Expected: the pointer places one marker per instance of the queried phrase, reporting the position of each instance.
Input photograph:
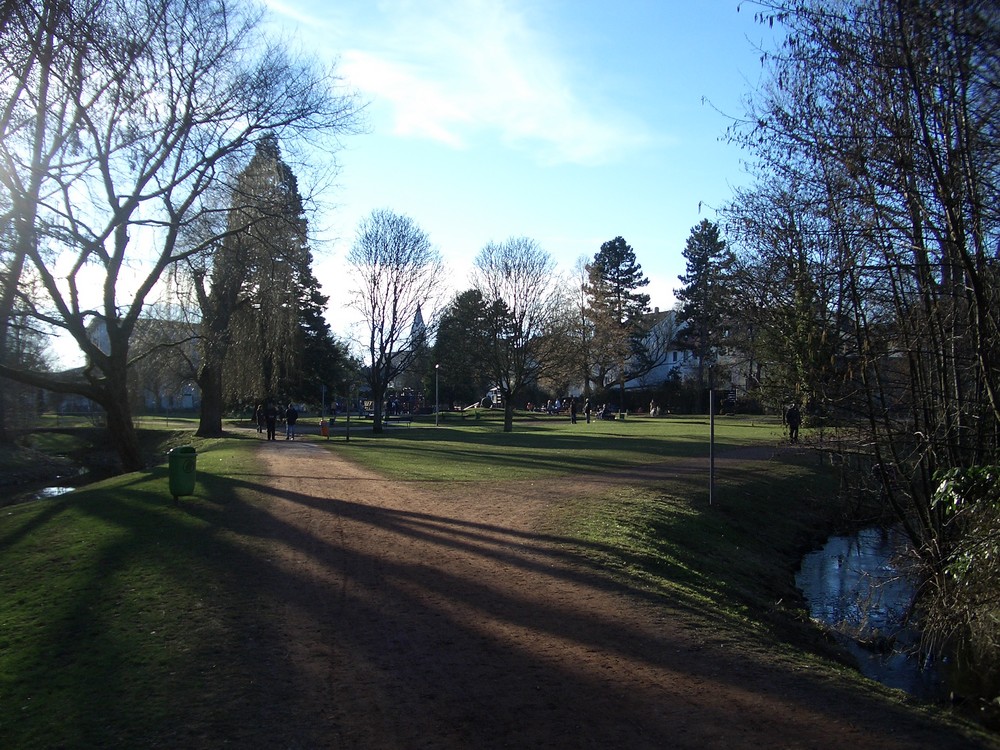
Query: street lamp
(437, 405)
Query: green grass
(469, 450)
(731, 561)
(127, 620)
(56, 443)
(109, 609)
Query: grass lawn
(117, 608)
(127, 620)
(477, 448)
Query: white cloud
(479, 66)
(420, 108)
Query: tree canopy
(121, 120)
(705, 296)
(875, 142)
(264, 335)
(460, 349)
(616, 310)
(397, 271)
(519, 288)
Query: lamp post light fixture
(437, 405)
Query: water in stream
(48, 492)
(854, 585)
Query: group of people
(267, 415)
(572, 405)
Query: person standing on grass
(259, 417)
(271, 418)
(572, 410)
(586, 410)
(291, 417)
(794, 418)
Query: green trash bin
(181, 468)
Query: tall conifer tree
(617, 309)
(705, 294)
(263, 326)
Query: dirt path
(422, 615)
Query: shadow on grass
(496, 453)
(226, 621)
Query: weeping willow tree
(259, 283)
(265, 338)
(885, 116)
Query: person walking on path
(291, 417)
(794, 419)
(259, 417)
(271, 418)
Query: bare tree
(42, 64)
(884, 113)
(517, 281)
(120, 119)
(789, 280)
(570, 355)
(399, 274)
(581, 331)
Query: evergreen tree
(705, 294)
(617, 310)
(325, 360)
(263, 329)
(265, 355)
(460, 349)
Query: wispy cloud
(456, 71)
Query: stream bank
(860, 588)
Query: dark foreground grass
(127, 620)
(121, 613)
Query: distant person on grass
(794, 418)
(271, 418)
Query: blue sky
(567, 121)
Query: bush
(962, 606)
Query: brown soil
(422, 615)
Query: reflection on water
(51, 492)
(854, 585)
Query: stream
(854, 586)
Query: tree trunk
(7, 297)
(508, 414)
(210, 382)
(121, 430)
(378, 397)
